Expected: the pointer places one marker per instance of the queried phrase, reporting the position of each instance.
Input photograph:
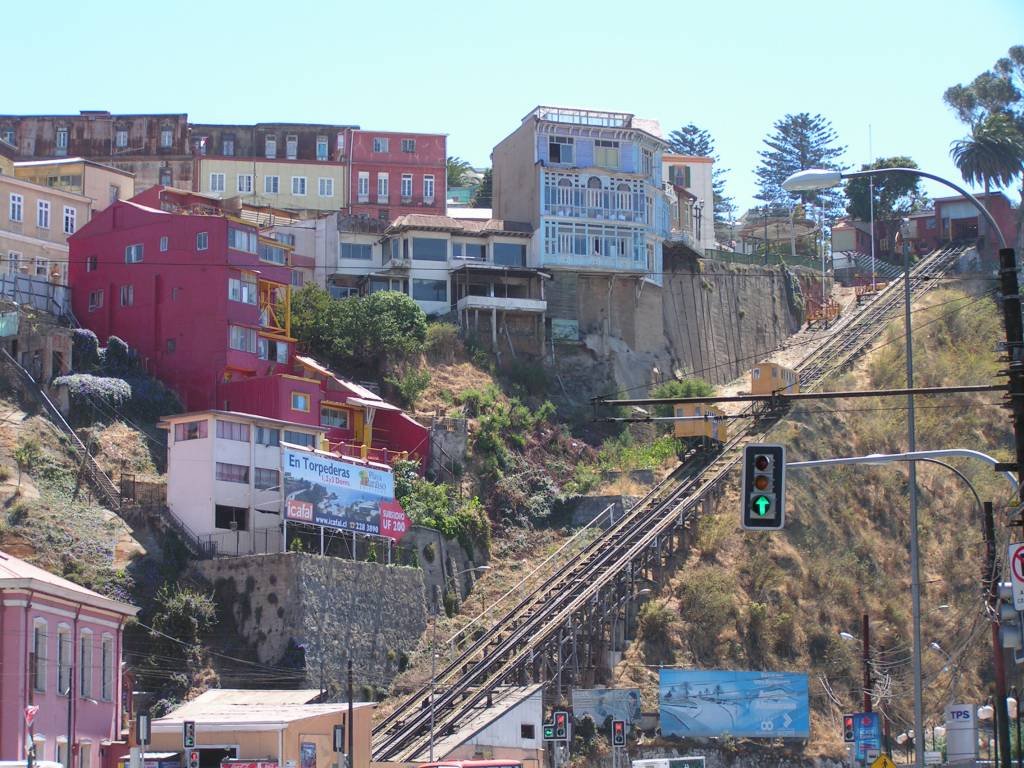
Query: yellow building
(268, 726)
(102, 184)
(291, 185)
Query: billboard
(338, 494)
(696, 702)
(604, 703)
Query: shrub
(530, 377)
(679, 388)
(85, 350)
(410, 384)
(654, 619)
(442, 342)
(118, 358)
(27, 455)
(85, 391)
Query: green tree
(182, 617)
(697, 142)
(26, 455)
(799, 142)
(680, 388)
(458, 172)
(896, 194)
(483, 195)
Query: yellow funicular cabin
(769, 378)
(700, 422)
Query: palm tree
(993, 154)
(458, 172)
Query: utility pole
(991, 584)
(1015, 352)
(866, 657)
(351, 722)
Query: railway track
(533, 633)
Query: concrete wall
(374, 613)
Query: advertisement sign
(696, 702)
(961, 733)
(867, 735)
(307, 754)
(604, 703)
(338, 494)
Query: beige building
(35, 222)
(290, 185)
(272, 726)
(102, 184)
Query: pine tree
(697, 142)
(800, 142)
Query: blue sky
(473, 70)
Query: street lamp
(951, 666)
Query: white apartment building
(224, 477)
(693, 217)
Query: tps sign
(1016, 558)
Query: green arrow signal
(761, 504)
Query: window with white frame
(244, 181)
(7, 134)
(406, 187)
(271, 185)
(40, 635)
(121, 138)
(242, 240)
(428, 189)
(70, 215)
(232, 473)
(64, 653)
(326, 187)
(127, 295)
(43, 214)
(242, 288)
(291, 146)
(164, 243)
(133, 253)
(16, 212)
(266, 479)
(190, 430)
(216, 182)
(40, 265)
(321, 147)
(382, 187)
(363, 186)
(95, 300)
(560, 149)
(380, 144)
(299, 185)
(409, 145)
(270, 146)
(363, 251)
(241, 338)
(233, 430)
(62, 138)
(166, 137)
(202, 241)
(85, 664)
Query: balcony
(599, 204)
(530, 306)
(383, 199)
(366, 453)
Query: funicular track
(541, 637)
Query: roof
(166, 421)
(978, 195)
(498, 269)
(465, 226)
(69, 160)
(502, 702)
(669, 157)
(356, 389)
(272, 708)
(17, 574)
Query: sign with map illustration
(697, 702)
(606, 704)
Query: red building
(956, 218)
(205, 300)
(393, 174)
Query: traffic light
(549, 731)
(764, 485)
(1011, 631)
(618, 733)
(561, 725)
(193, 758)
(188, 735)
(848, 729)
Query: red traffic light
(761, 462)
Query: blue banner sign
(768, 705)
(867, 734)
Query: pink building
(58, 636)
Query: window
(321, 147)
(70, 215)
(64, 651)
(646, 161)
(17, 208)
(285, 237)
(62, 138)
(929, 224)
(429, 249)
(363, 186)
(272, 253)
(164, 243)
(333, 417)
(95, 300)
(232, 430)
(216, 182)
(326, 187)
(300, 401)
(133, 254)
(7, 134)
(270, 146)
(190, 430)
(606, 153)
(271, 185)
(85, 664)
(299, 438)
(232, 473)
(230, 518)
(43, 214)
(560, 149)
(271, 349)
(380, 144)
(355, 251)
(166, 137)
(62, 750)
(266, 479)
(297, 281)
(428, 189)
(242, 240)
(39, 637)
(85, 754)
(406, 188)
(166, 177)
(409, 145)
(526, 731)
(242, 339)
(227, 145)
(291, 146)
(127, 295)
(382, 187)
(430, 290)
(14, 258)
(115, 193)
(244, 182)
(242, 288)
(510, 254)
(40, 267)
(268, 436)
(298, 185)
(172, 344)
(121, 138)
(202, 241)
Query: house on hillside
(61, 652)
(691, 199)
(394, 173)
